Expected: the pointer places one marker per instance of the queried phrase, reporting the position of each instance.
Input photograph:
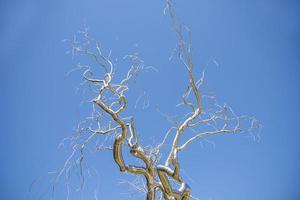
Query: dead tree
(163, 178)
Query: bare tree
(205, 117)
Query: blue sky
(256, 44)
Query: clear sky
(256, 44)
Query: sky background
(256, 44)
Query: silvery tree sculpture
(162, 178)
